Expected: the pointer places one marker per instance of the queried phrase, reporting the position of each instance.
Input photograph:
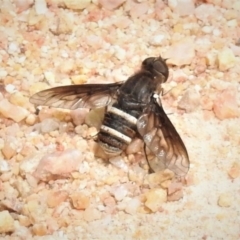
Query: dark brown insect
(132, 110)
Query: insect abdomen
(117, 131)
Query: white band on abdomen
(122, 114)
(115, 133)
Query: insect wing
(163, 141)
(77, 96)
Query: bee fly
(132, 110)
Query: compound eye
(160, 66)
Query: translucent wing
(77, 96)
(161, 137)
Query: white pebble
(41, 6)
(207, 29)
(3, 73)
(133, 205)
(118, 162)
(119, 192)
(157, 40)
(120, 53)
(49, 125)
(13, 48)
(4, 166)
(9, 110)
(10, 88)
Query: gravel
(55, 183)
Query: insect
(132, 109)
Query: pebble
(184, 47)
(8, 150)
(133, 205)
(39, 229)
(58, 164)
(119, 192)
(9, 110)
(80, 201)
(23, 5)
(190, 101)
(205, 12)
(4, 166)
(225, 105)
(41, 7)
(111, 5)
(156, 179)
(226, 59)
(31, 119)
(50, 77)
(225, 200)
(135, 146)
(157, 40)
(79, 115)
(77, 5)
(234, 171)
(182, 7)
(119, 162)
(55, 198)
(91, 214)
(155, 198)
(79, 79)
(18, 99)
(49, 125)
(6, 222)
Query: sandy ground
(51, 184)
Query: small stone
(232, 23)
(4, 166)
(120, 53)
(182, 7)
(234, 171)
(119, 162)
(225, 200)
(79, 79)
(190, 101)
(135, 146)
(156, 179)
(58, 164)
(49, 125)
(211, 59)
(8, 150)
(225, 105)
(6, 222)
(184, 47)
(133, 205)
(18, 99)
(155, 198)
(157, 40)
(76, 4)
(50, 77)
(119, 192)
(39, 229)
(24, 220)
(79, 115)
(110, 4)
(31, 119)
(13, 48)
(9, 110)
(55, 198)
(226, 59)
(91, 214)
(23, 5)
(80, 201)
(41, 7)
(37, 87)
